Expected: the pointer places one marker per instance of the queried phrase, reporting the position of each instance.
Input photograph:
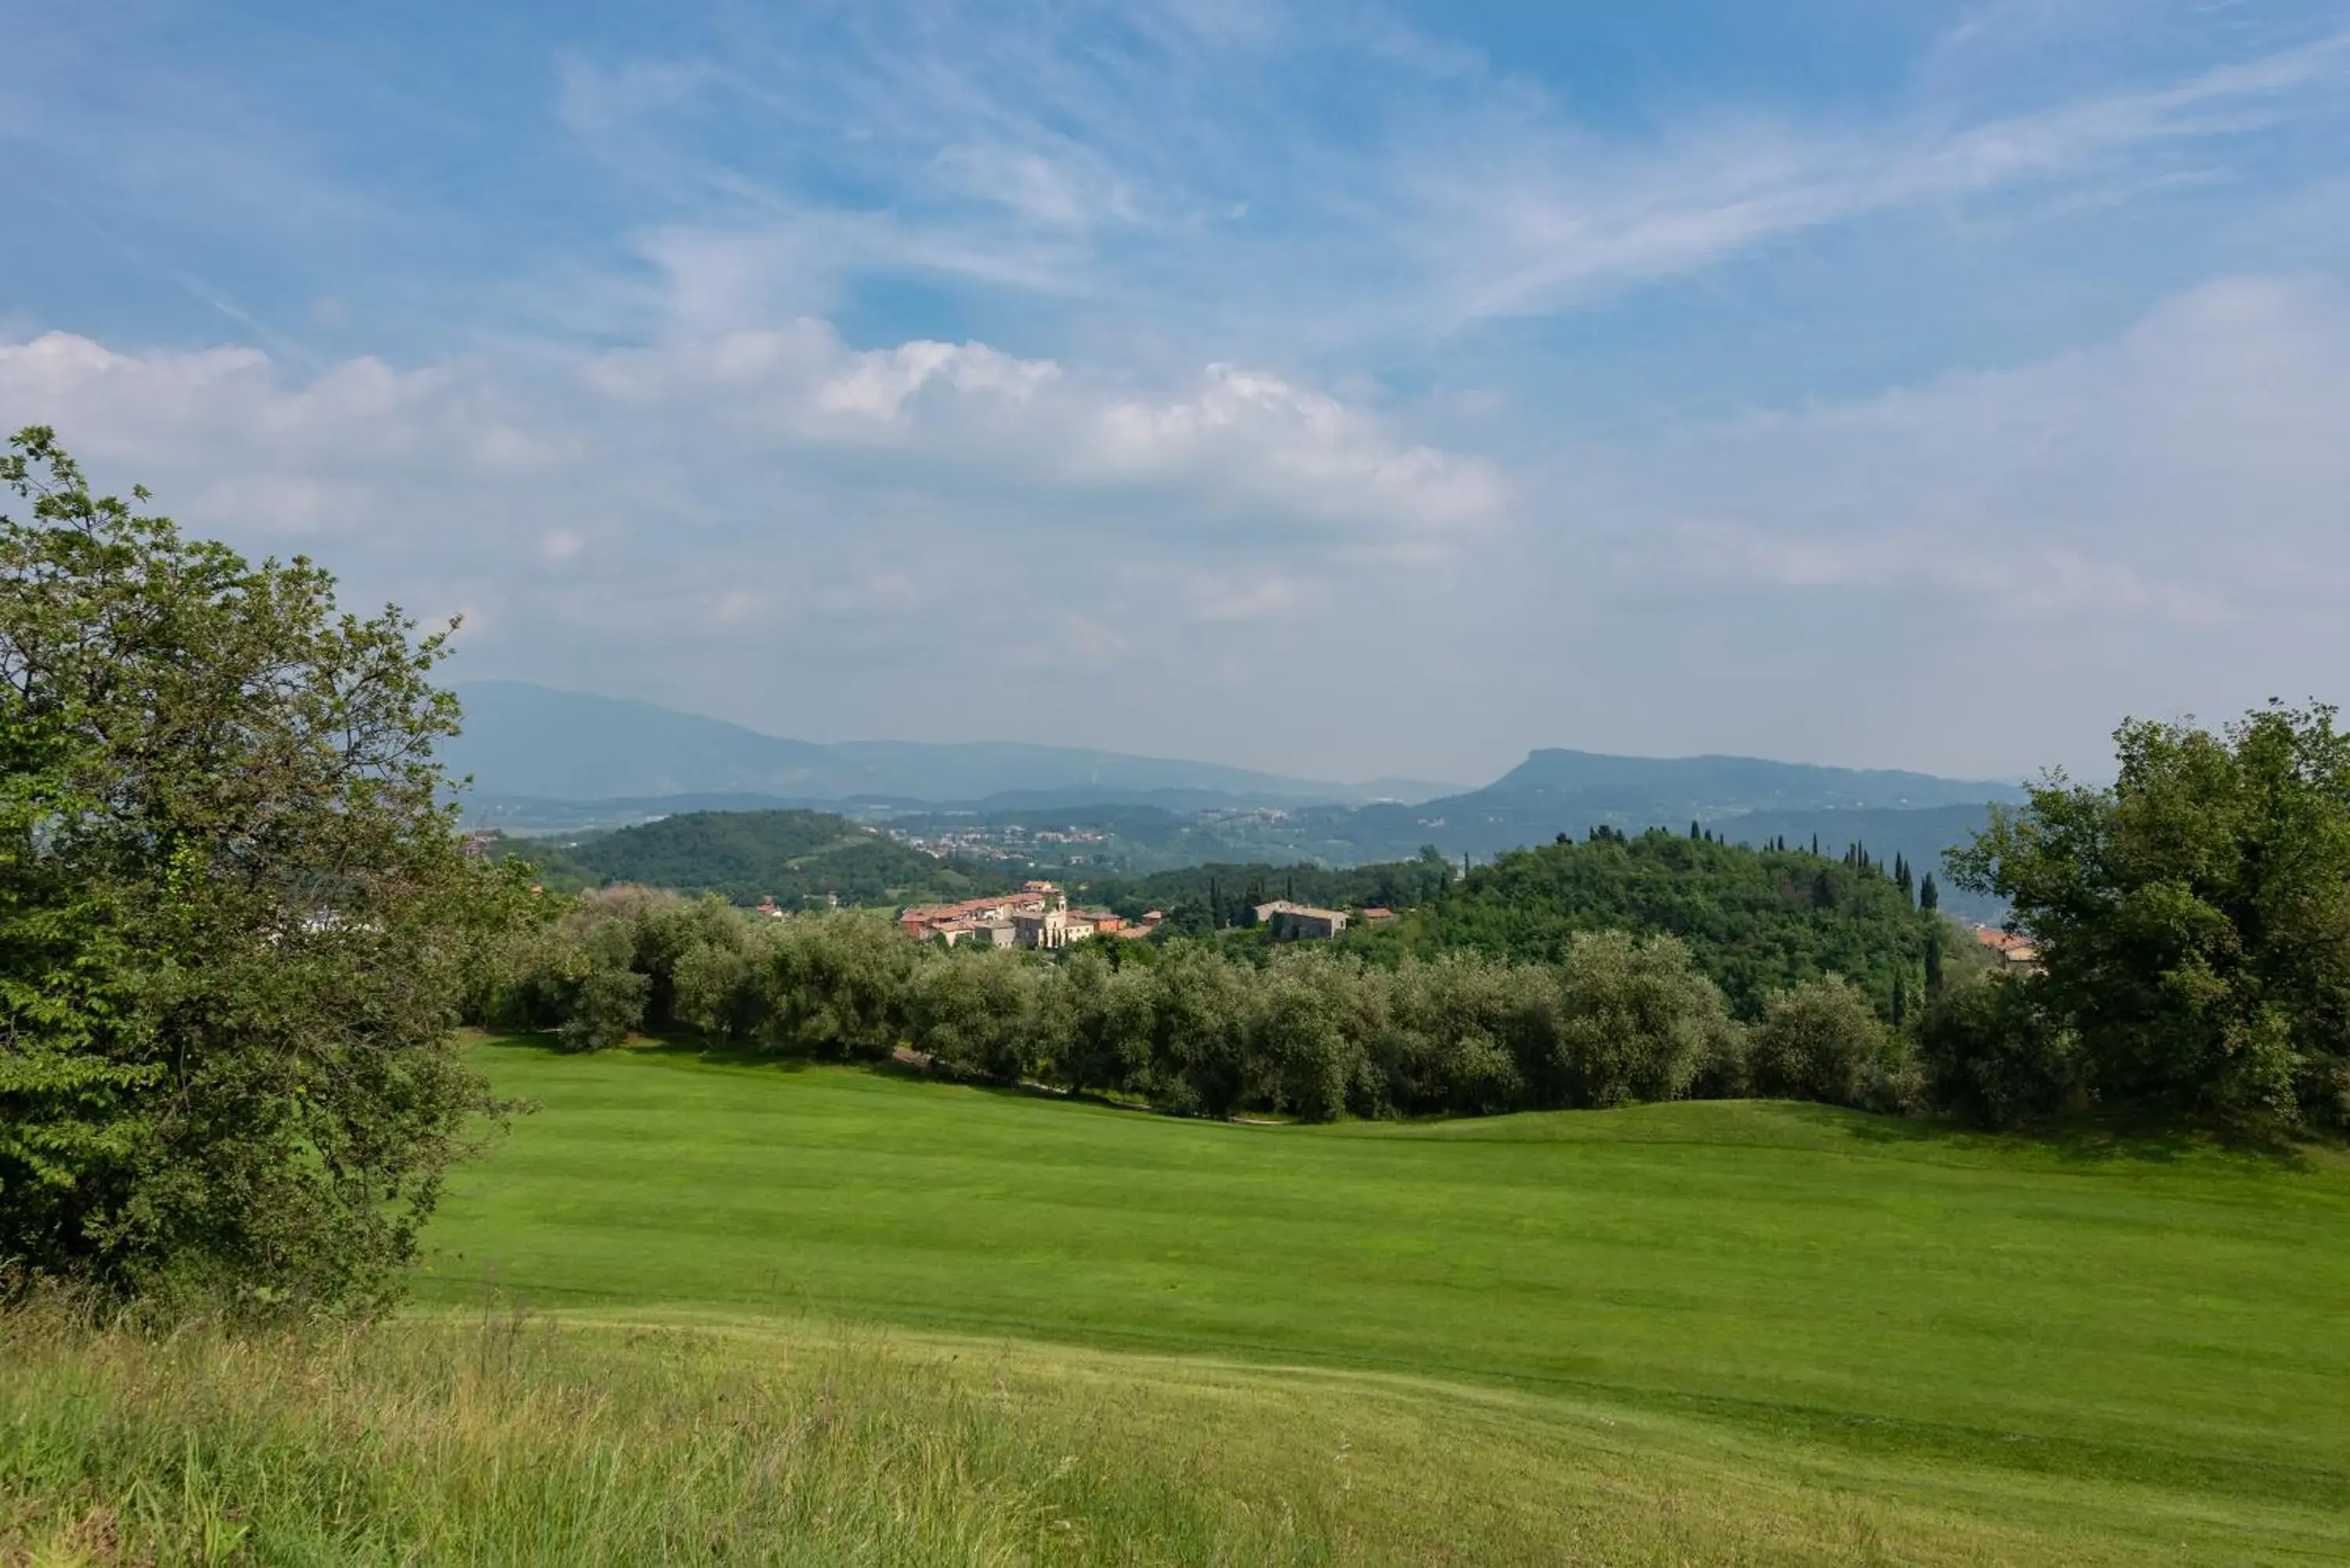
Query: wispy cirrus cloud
(1134, 166)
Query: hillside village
(1036, 916)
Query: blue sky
(1347, 389)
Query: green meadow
(698, 1309)
(2152, 1339)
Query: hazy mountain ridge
(1717, 785)
(536, 741)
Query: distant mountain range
(562, 762)
(537, 744)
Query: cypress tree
(1929, 897)
(1933, 959)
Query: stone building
(1289, 922)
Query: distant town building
(2016, 954)
(1050, 925)
(1377, 916)
(1289, 922)
(1036, 916)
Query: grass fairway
(2004, 1351)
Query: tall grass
(511, 1442)
(507, 1440)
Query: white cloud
(2190, 471)
(845, 483)
(737, 605)
(878, 382)
(1225, 597)
(1273, 443)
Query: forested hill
(1755, 919)
(800, 859)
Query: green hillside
(2088, 1343)
(797, 857)
(1756, 921)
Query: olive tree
(1636, 1021)
(1821, 1040)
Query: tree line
(1310, 1030)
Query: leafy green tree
(1097, 1017)
(976, 1012)
(1299, 1052)
(836, 986)
(1636, 1020)
(1990, 1053)
(713, 988)
(1822, 1041)
(1198, 1039)
(602, 1000)
(2193, 920)
(234, 923)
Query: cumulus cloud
(1231, 444)
(823, 500)
(878, 382)
(1280, 444)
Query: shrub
(1992, 1053)
(1822, 1041)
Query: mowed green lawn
(2150, 1334)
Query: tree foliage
(2192, 922)
(1755, 921)
(235, 927)
(1822, 1041)
(1308, 1030)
